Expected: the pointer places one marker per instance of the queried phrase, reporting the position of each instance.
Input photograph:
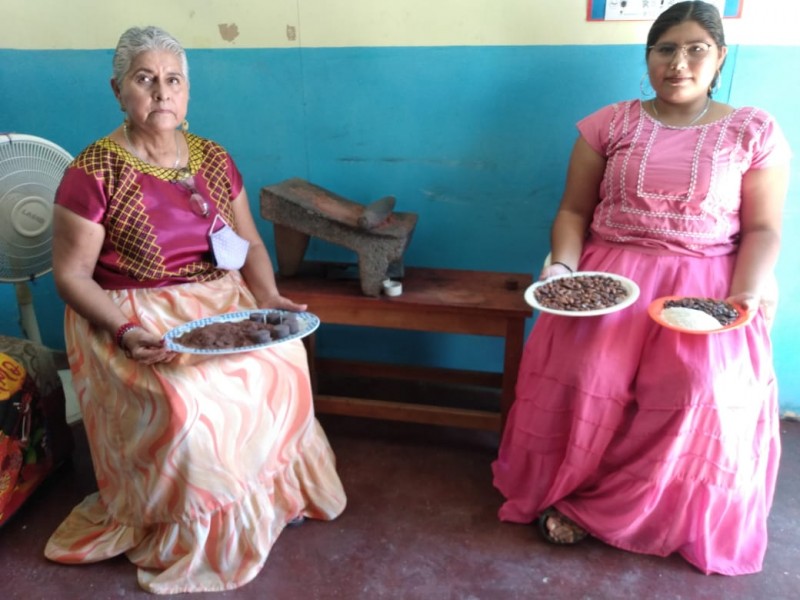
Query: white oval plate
(308, 325)
(629, 285)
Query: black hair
(704, 14)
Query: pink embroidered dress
(201, 462)
(655, 441)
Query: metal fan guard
(31, 169)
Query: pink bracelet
(123, 330)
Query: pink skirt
(201, 462)
(652, 440)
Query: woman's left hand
(279, 302)
(751, 303)
(747, 300)
(768, 302)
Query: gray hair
(143, 39)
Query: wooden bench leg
(515, 341)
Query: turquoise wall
(474, 139)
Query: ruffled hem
(218, 551)
(665, 443)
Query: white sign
(645, 10)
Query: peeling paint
(228, 31)
(291, 33)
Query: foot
(297, 521)
(558, 529)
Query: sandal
(574, 532)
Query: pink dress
(200, 462)
(652, 440)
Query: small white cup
(392, 288)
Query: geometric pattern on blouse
(126, 221)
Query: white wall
(92, 24)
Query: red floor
(420, 524)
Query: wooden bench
(433, 300)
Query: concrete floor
(420, 524)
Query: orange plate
(657, 305)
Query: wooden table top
(485, 292)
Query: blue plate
(308, 324)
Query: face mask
(227, 247)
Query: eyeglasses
(197, 203)
(694, 52)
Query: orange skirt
(201, 462)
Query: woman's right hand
(144, 347)
(552, 270)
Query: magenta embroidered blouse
(677, 189)
(153, 237)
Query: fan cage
(31, 169)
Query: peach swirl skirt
(200, 463)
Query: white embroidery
(704, 211)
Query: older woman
(200, 462)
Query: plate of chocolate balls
(582, 294)
(242, 331)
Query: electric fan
(30, 171)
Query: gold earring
(185, 125)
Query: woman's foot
(297, 521)
(558, 529)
